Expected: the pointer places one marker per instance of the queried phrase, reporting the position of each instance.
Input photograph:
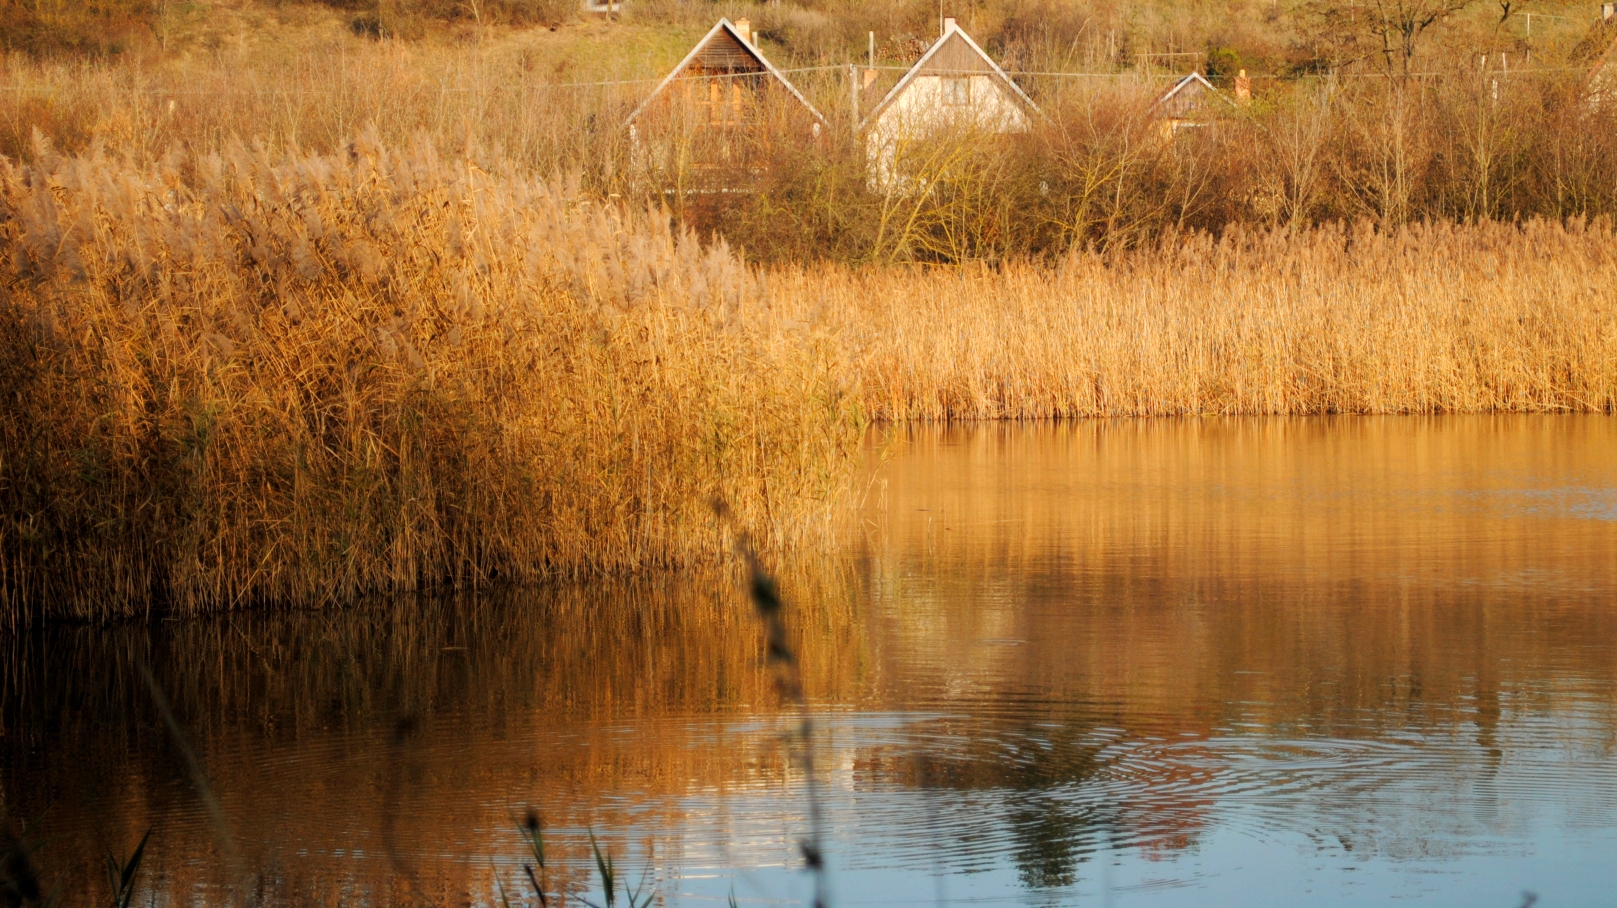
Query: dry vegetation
(239, 379)
(1421, 319)
(237, 370)
(1475, 122)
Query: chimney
(1243, 88)
(744, 29)
(948, 24)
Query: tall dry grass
(244, 378)
(510, 101)
(1416, 319)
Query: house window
(715, 103)
(725, 103)
(957, 90)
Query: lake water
(1209, 662)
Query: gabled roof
(1184, 95)
(953, 54)
(1603, 74)
(1597, 44)
(724, 50)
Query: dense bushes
(415, 18)
(91, 27)
(1102, 170)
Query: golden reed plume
(1417, 319)
(235, 378)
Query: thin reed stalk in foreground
(778, 652)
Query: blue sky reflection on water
(1434, 821)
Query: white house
(954, 86)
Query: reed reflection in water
(1203, 662)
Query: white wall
(923, 111)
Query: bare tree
(1388, 31)
(1293, 158)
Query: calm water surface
(1205, 662)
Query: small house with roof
(716, 107)
(954, 86)
(1598, 51)
(1191, 102)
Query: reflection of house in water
(1191, 102)
(954, 86)
(717, 111)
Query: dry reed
(239, 378)
(1419, 319)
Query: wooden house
(1190, 103)
(715, 112)
(954, 86)
(1598, 50)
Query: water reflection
(382, 753)
(1199, 662)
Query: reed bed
(242, 378)
(1418, 319)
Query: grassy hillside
(1266, 36)
(1478, 120)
